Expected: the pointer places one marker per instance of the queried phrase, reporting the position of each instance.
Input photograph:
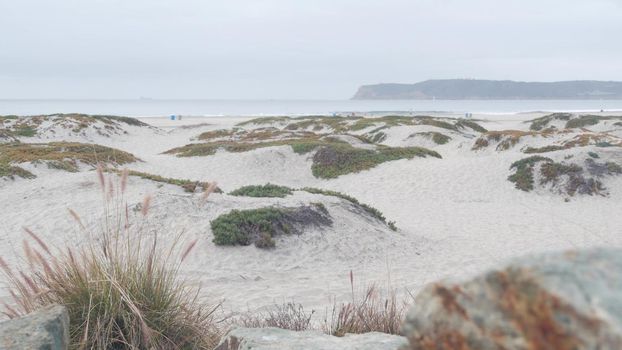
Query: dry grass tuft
(374, 312)
(287, 316)
(121, 288)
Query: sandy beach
(456, 216)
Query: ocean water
(149, 107)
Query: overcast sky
(306, 49)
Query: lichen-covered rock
(281, 339)
(563, 301)
(46, 329)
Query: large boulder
(45, 329)
(560, 301)
(281, 339)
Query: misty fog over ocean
(149, 107)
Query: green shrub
(583, 121)
(523, 177)
(614, 168)
(462, 123)
(551, 171)
(593, 154)
(215, 134)
(25, 131)
(545, 149)
(264, 120)
(268, 190)
(439, 124)
(187, 185)
(334, 160)
(11, 172)
(604, 144)
(540, 123)
(367, 208)
(378, 137)
(66, 165)
(437, 137)
(259, 226)
(298, 145)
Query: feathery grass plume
(38, 240)
(100, 176)
(211, 188)
(144, 210)
(188, 249)
(124, 175)
(76, 217)
(121, 287)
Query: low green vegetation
(214, 134)
(367, 208)
(378, 137)
(438, 123)
(613, 168)
(506, 139)
(583, 121)
(28, 126)
(317, 123)
(25, 131)
(268, 190)
(260, 226)
(462, 123)
(12, 171)
(187, 185)
(552, 171)
(541, 123)
(265, 120)
(385, 121)
(58, 155)
(334, 160)
(593, 154)
(523, 177)
(437, 137)
(66, 165)
(566, 178)
(545, 149)
(300, 146)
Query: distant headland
(471, 89)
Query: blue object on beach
(173, 117)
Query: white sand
(457, 215)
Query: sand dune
(456, 215)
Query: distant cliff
(467, 89)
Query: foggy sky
(306, 49)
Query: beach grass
(121, 288)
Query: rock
(45, 329)
(559, 301)
(281, 339)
